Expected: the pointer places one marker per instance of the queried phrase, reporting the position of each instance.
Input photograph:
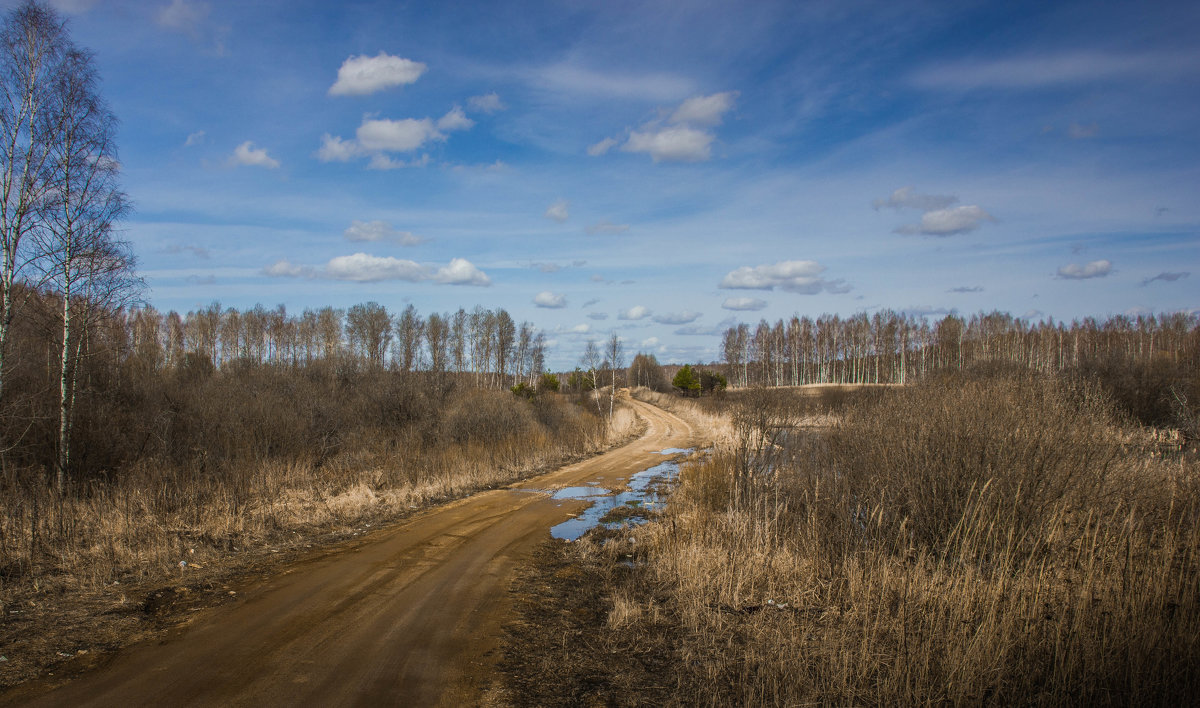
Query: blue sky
(658, 169)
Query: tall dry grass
(1000, 540)
(138, 522)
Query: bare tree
(369, 329)
(33, 44)
(410, 330)
(592, 360)
(614, 354)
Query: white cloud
(335, 149)
(803, 277)
(678, 318)
(247, 154)
(379, 161)
(637, 312)
(362, 75)
(487, 103)
(194, 138)
(1037, 71)
(948, 222)
(704, 110)
(677, 143)
(1095, 269)
(461, 272)
(905, 197)
(183, 15)
(607, 227)
(364, 268)
(1166, 277)
(744, 304)
(571, 79)
(286, 269)
(1078, 131)
(558, 211)
(455, 120)
(380, 231)
(602, 147)
(649, 342)
(405, 135)
(549, 300)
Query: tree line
(888, 347)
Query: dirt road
(412, 618)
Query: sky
(661, 170)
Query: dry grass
(996, 540)
(112, 544)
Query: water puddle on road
(647, 492)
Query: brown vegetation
(1006, 538)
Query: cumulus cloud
(365, 268)
(404, 135)
(948, 222)
(744, 304)
(606, 227)
(461, 272)
(1166, 277)
(549, 300)
(802, 277)
(195, 138)
(905, 197)
(247, 154)
(649, 342)
(1095, 269)
(335, 149)
(637, 312)
(454, 120)
(676, 143)
(677, 318)
(380, 231)
(704, 110)
(487, 103)
(602, 147)
(362, 75)
(558, 211)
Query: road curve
(411, 618)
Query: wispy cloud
(908, 198)
(606, 227)
(487, 103)
(966, 289)
(380, 231)
(1035, 71)
(1166, 277)
(558, 211)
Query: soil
(406, 615)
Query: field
(995, 537)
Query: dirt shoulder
(411, 610)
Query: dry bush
(991, 539)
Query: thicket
(997, 536)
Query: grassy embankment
(1007, 539)
(244, 470)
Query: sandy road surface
(411, 618)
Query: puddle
(674, 450)
(643, 494)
